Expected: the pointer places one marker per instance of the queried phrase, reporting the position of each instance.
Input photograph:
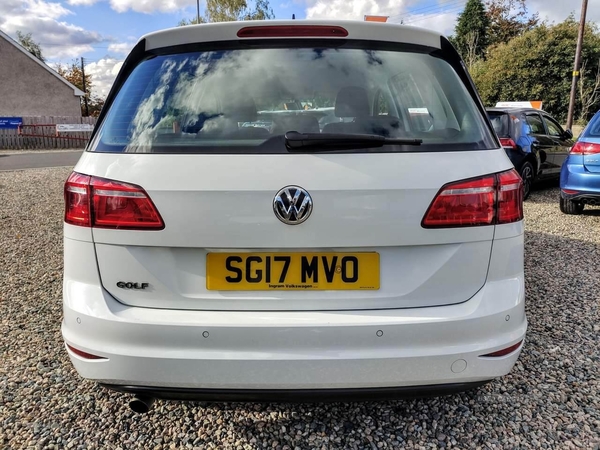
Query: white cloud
(557, 11)
(121, 48)
(441, 22)
(42, 8)
(82, 2)
(103, 74)
(435, 16)
(57, 38)
(354, 9)
(150, 6)
(430, 18)
(142, 6)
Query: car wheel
(528, 175)
(571, 207)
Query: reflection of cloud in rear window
(142, 123)
(235, 76)
(204, 99)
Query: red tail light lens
(508, 143)
(122, 205)
(510, 197)
(77, 200)
(465, 203)
(585, 148)
(102, 203)
(292, 31)
(491, 199)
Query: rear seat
(353, 101)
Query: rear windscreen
(244, 101)
(593, 128)
(500, 122)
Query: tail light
(488, 200)
(101, 203)
(585, 148)
(77, 200)
(510, 197)
(508, 143)
(269, 31)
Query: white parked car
(378, 257)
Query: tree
(508, 19)
(73, 74)
(589, 91)
(194, 21)
(232, 10)
(472, 29)
(537, 65)
(30, 45)
(470, 52)
(95, 105)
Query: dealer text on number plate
(292, 271)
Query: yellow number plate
(292, 271)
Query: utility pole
(197, 11)
(576, 65)
(85, 97)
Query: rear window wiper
(325, 142)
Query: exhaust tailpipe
(141, 404)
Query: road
(17, 161)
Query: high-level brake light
(267, 31)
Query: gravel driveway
(550, 400)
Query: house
(28, 87)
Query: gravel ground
(550, 400)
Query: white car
(379, 257)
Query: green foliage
(471, 31)
(508, 19)
(194, 21)
(72, 73)
(30, 45)
(232, 10)
(537, 65)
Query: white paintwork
(411, 276)
(362, 202)
(227, 31)
(302, 349)
(446, 295)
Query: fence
(40, 133)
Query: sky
(103, 31)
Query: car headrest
(352, 101)
(297, 122)
(239, 108)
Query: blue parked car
(534, 141)
(580, 174)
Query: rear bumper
(200, 351)
(582, 183)
(297, 395)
